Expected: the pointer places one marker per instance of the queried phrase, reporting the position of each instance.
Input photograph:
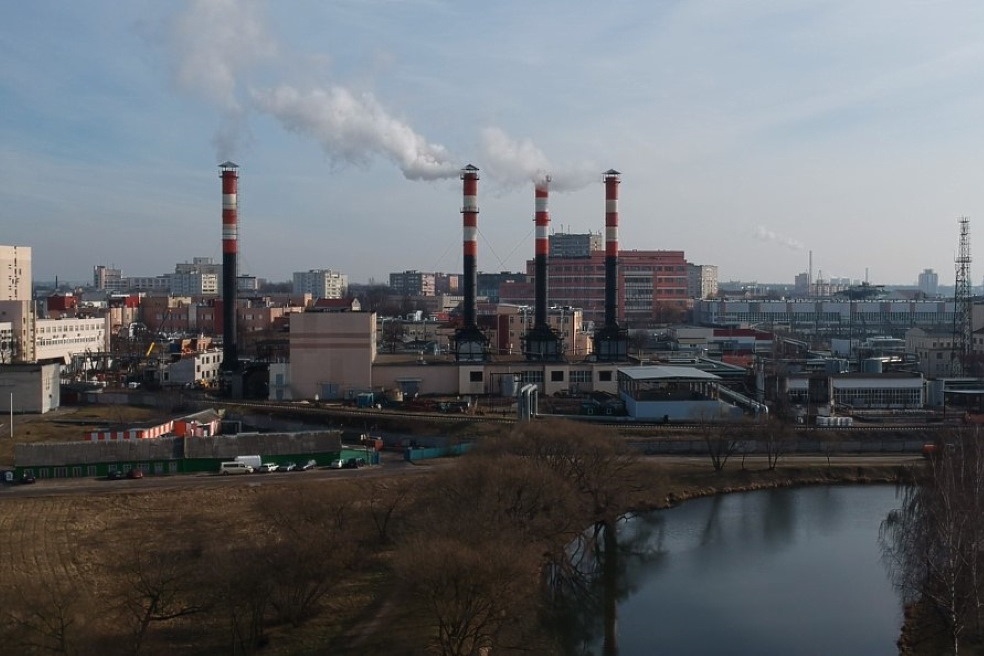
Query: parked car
(27, 479)
(268, 467)
(310, 464)
(135, 473)
(287, 467)
(115, 475)
(235, 468)
(335, 464)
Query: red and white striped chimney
(611, 245)
(469, 219)
(230, 247)
(542, 220)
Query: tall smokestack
(471, 345)
(611, 343)
(542, 221)
(541, 342)
(469, 219)
(230, 245)
(611, 246)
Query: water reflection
(771, 572)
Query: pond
(790, 571)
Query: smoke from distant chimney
(764, 234)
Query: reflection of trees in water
(596, 573)
(779, 519)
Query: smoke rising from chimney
(217, 44)
(764, 234)
(220, 48)
(352, 128)
(512, 163)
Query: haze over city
(748, 134)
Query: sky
(749, 134)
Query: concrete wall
(227, 447)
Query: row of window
(556, 376)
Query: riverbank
(667, 484)
(677, 482)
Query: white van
(235, 468)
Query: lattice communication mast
(963, 303)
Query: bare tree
(721, 442)
(49, 617)
(241, 588)
(479, 596)
(384, 503)
(315, 535)
(934, 543)
(158, 584)
(776, 437)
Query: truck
(252, 461)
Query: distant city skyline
(748, 134)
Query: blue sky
(748, 133)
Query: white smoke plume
(217, 45)
(352, 128)
(764, 234)
(512, 162)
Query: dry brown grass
(67, 424)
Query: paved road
(391, 464)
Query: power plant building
(646, 280)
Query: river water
(776, 572)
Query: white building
(6, 342)
(320, 283)
(193, 369)
(60, 339)
(30, 388)
(833, 317)
(862, 390)
(702, 280)
(108, 279)
(15, 273)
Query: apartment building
(320, 283)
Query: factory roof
(662, 372)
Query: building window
(580, 376)
(475, 376)
(605, 376)
(556, 376)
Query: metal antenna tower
(963, 303)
